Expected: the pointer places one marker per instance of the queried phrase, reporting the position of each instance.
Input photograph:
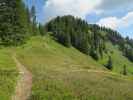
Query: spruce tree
(41, 29)
(35, 29)
(67, 41)
(13, 22)
(109, 64)
(124, 70)
(94, 54)
(69, 30)
(33, 15)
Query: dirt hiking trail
(24, 83)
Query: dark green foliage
(13, 22)
(94, 54)
(17, 23)
(67, 39)
(124, 70)
(64, 38)
(69, 30)
(41, 29)
(109, 64)
(129, 41)
(127, 48)
(35, 29)
(88, 38)
(97, 42)
(129, 53)
(33, 15)
(125, 44)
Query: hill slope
(118, 59)
(65, 73)
(104, 45)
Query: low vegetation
(69, 58)
(118, 60)
(8, 75)
(89, 39)
(63, 73)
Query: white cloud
(127, 20)
(116, 4)
(111, 22)
(114, 22)
(79, 8)
(82, 8)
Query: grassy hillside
(8, 74)
(118, 59)
(61, 73)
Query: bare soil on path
(24, 83)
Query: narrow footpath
(24, 83)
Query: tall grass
(52, 67)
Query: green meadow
(61, 73)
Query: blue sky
(115, 14)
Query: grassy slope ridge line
(118, 60)
(24, 84)
(58, 73)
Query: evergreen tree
(35, 29)
(33, 15)
(87, 38)
(13, 22)
(67, 40)
(129, 53)
(101, 51)
(85, 45)
(41, 29)
(124, 70)
(109, 64)
(94, 54)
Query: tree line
(13, 22)
(71, 31)
(18, 23)
(125, 44)
(90, 39)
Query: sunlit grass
(8, 75)
(118, 60)
(52, 67)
